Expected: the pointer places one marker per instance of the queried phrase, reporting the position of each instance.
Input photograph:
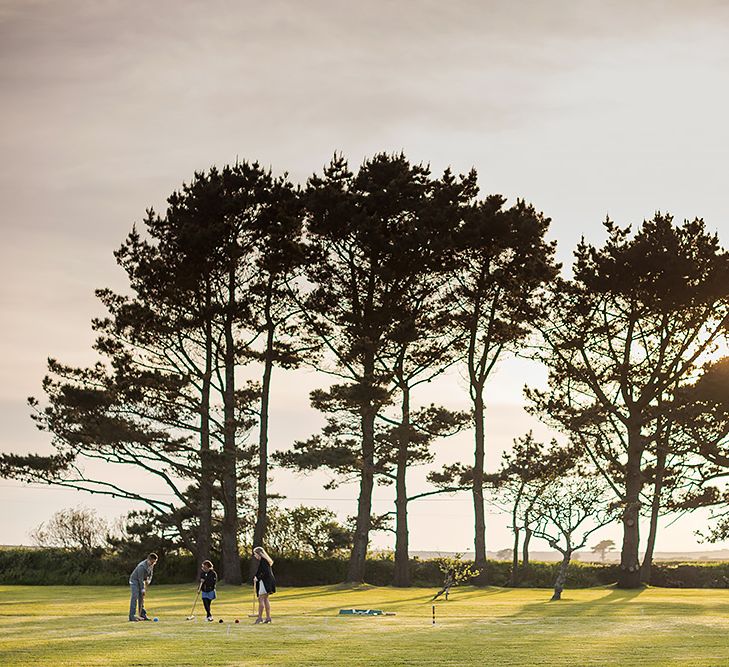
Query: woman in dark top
(208, 579)
(264, 582)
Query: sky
(586, 109)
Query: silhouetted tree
(603, 547)
(241, 225)
(367, 232)
(526, 471)
(568, 511)
(206, 287)
(504, 266)
(423, 345)
(702, 423)
(630, 327)
(274, 314)
(406, 444)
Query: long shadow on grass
(407, 605)
(462, 594)
(615, 602)
(614, 606)
(336, 590)
(344, 589)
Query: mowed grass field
(493, 626)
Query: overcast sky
(583, 108)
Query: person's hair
(209, 564)
(152, 557)
(262, 553)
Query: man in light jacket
(142, 575)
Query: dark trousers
(207, 602)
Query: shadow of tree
(614, 602)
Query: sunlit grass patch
(492, 626)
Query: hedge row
(61, 567)
(70, 568)
(426, 573)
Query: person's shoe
(209, 619)
(134, 620)
(257, 621)
(268, 620)
(144, 618)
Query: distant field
(494, 626)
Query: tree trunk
(356, 568)
(478, 501)
(525, 547)
(629, 561)
(646, 568)
(230, 555)
(358, 558)
(259, 532)
(561, 580)
(402, 562)
(207, 470)
(514, 577)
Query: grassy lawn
(494, 626)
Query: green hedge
(61, 567)
(70, 568)
(691, 575)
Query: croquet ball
(237, 621)
(155, 619)
(220, 621)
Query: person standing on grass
(208, 579)
(264, 583)
(450, 582)
(138, 580)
